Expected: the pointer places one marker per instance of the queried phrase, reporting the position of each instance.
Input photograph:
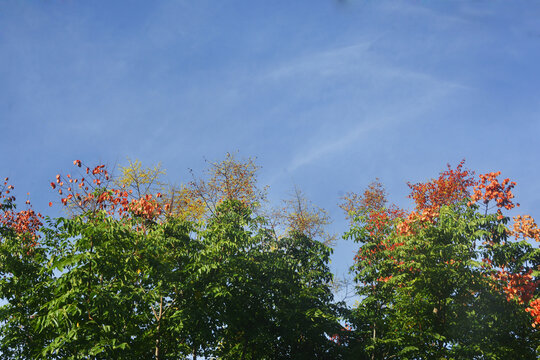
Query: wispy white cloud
(410, 93)
(330, 62)
(332, 146)
(356, 59)
(392, 116)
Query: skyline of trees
(139, 268)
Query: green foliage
(132, 277)
(274, 296)
(100, 287)
(429, 295)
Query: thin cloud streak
(428, 93)
(333, 62)
(350, 59)
(398, 116)
(333, 146)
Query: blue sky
(327, 94)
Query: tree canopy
(139, 268)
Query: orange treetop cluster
(93, 196)
(525, 227)
(493, 190)
(25, 223)
(451, 187)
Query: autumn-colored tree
(425, 293)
